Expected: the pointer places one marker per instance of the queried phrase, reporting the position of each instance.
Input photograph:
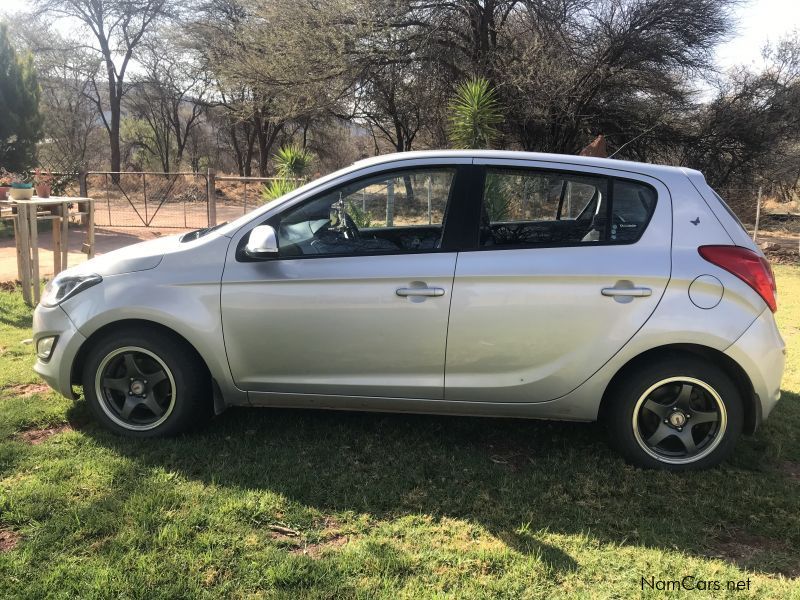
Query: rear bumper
(761, 352)
(57, 370)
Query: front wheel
(146, 384)
(676, 414)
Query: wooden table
(26, 232)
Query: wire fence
(148, 199)
(179, 200)
(234, 196)
(771, 224)
(189, 200)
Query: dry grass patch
(316, 550)
(791, 470)
(8, 540)
(330, 537)
(27, 390)
(750, 551)
(37, 436)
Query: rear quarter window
(632, 206)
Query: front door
(357, 301)
(569, 264)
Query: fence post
(144, 189)
(83, 192)
(390, 203)
(211, 191)
(429, 200)
(758, 214)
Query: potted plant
(5, 184)
(20, 189)
(43, 182)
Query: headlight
(61, 288)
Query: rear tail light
(748, 266)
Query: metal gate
(149, 199)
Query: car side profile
(502, 284)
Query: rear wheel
(146, 384)
(677, 414)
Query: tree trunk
(113, 137)
(266, 134)
(237, 152)
(248, 161)
(409, 188)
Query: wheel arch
(752, 405)
(139, 325)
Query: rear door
(569, 263)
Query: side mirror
(262, 243)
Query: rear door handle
(426, 291)
(634, 292)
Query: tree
(118, 28)
(20, 121)
(73, 129)
(256, 114)
(747, 134)
(394, 85)
(169, 95)
(568, 71)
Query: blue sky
(759, 22)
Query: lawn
(293, 504)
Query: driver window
(401, 211)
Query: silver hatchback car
(501, 284)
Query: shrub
(277, 188)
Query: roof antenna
(634, 139)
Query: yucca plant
(293, 161)
(360, 217)
(497, 197)
(277, 188)
(475, 115)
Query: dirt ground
(106, 240)
(122, 214)
(110, 238)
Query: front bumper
(57, 370)
(761, 352)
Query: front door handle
(428, 292)
(632, 292)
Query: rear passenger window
(541, 208)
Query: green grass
(383, 505)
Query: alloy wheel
(135, 388)
(679, 420)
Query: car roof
(587, 161)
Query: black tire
(649, 414)
(179, 384)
